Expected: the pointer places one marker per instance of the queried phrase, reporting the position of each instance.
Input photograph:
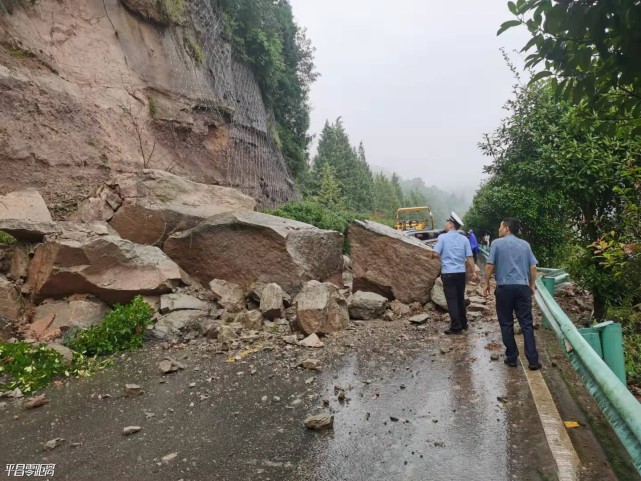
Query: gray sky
(418, 81)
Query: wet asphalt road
(443, 392)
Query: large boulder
(67, 314)
(250, 247)
(367, 305)
(111, 268)
(177, 324)
(391, 264)
(148, 206)
(24, 205)
(321, 309)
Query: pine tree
(349, 166)
(329, 190)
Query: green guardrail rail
(596, 354)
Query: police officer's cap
(456, 220)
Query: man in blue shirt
(474, 244)
(515, 266)
(455, 250)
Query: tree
(350, 167)
(263, 34)
(329, 191)
(544, 146)
(385, 199)
(591, 48)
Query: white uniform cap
(456, 219)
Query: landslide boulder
(391, 264)
(146, 207)
(110, 268)
(249, 247)
(321, 309)
(25, 204)
(367, 305)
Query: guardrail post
(594, 339)
(612, 342)
(549, 283)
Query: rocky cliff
(93, 88)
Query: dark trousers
(510, 300)
(454, 290)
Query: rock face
(111, 268)
(321, 309)
(203, 120)
(148, 206)
(247, 247)
(367, 305)
(391, 264)
(24, 205)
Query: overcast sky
(418, 81)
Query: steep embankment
(89, 88)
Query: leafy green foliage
(6, 238)
(592, 51)
(543, 226)
(263, 34)
(313, 212)
(349, 166)
(544, 146)
(29, 367)
(122, 329)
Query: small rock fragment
(311, 363)
(311, 341)
(36, 402)
(169, 458)
(53, 444)
(131, 430)
(320, 422)
(494, 357)
(133, 390)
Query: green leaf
(508, 24)
(512, 7)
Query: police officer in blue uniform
(515, 267)
(454, 250)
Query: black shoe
(535, 367)
(454, 331)
(507, 362)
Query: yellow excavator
(414, 221)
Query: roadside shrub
(314, 213)
(121, 330)
(194, 50)
(30, 367)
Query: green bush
(29, 367)
(314, 213)
(122, 329)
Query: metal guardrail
(617, 403)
